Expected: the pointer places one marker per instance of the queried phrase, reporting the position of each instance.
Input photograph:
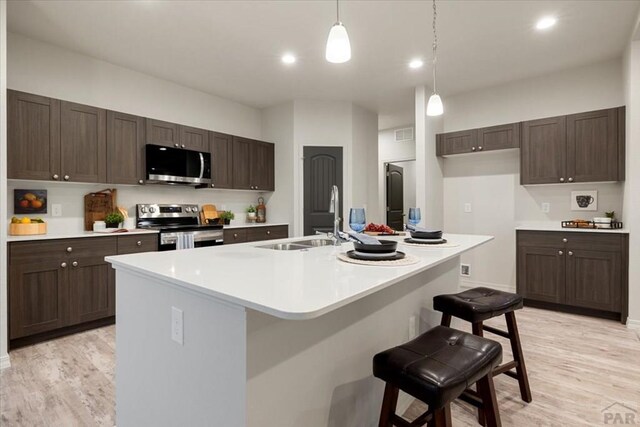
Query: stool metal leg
(389, 403)
(516, 348)
(486, 390)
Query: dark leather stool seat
(477, 304)
(437, 367)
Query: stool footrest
(512, 375)
(418, 422)
(505, 368)
(471, 397)
(496, 331)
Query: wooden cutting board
(208, 212)
(98, 205)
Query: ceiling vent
(404, 134)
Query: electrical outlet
(465, 270)
(177, 325)
(546, 207)
(467, 207)
(56, 209)
(413, 327)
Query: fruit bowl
(27, 229)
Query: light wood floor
(577, 367)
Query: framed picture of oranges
(29, 201)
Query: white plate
(432, 241)
(375, 255)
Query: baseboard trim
(633, 323)
(5, 362)
(469, 284)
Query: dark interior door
(322, 170)
(395, 197)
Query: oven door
(177, 166)
(201, 238)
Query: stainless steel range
(175, 220)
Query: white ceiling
(233, 48)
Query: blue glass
(357, 220)
(414, 216)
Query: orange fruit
(36, 204)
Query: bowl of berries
(380, 230)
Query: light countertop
(285, 284)
(254, 224)
(556, 226)
(80, 234)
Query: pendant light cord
(338, 11)
(435, 46)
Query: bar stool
(479, 304)
(436, 368)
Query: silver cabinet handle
(55, 176)
(480, 148)
(570, 253)
(74, 263)
(69, 249)
(139, 243)
(565, 240)
(560, 253)
(66, 177)
(256, 187)
(561, 179)
(235, 235)
(140, 181)
(268, 232)
(213, 185)
(176, 145)
(570, 179)
(473, 148)
(182, 146)
(63, 265)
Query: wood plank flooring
(577, 367)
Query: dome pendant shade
(434, 106)
(338, 46)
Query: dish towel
(364, 238)
(185, 241)
(421, 229)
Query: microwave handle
(201, 165)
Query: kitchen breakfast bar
(242, 335)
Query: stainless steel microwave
(167, 165)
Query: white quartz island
(270, 338)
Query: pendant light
(338, 46)
(434, 106)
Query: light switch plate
(177, 325)
(467, 207)
(56, 209)
(546, 207)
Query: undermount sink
(298, 245)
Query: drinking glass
(414, 216)
(357, 219)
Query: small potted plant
(251, 213)
(113, 220)
(227, 216)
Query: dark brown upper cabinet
(584, 147)
(253, 164)
(83, 142)
(162, 133)
(33, 127)
(544, 150)
(490, 138)
(456, 142)
(242, 148)
(193, 138)
(125, 148)
(221, 160)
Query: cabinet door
(262, 166)
(33, 142)
(543, 151)
(242, 163)
(593, 279)
(592, 146)
(161, 133)
(91, 289)
(541, 273)
(221, 160)
(83, 141)
(499, 137)
(125, 148)
(457, 142)
(194, 138)
(38, 297)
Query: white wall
(4, 357)
(364, 133)
(490, 180)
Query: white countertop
(285, 284)
(75, 235)
(556, 226)
(254, 224)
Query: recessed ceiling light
(416, 63)
(288, 58)
(546, 22)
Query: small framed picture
(29, 201)
(586, 200)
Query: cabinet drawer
(595, 241)
(235, 235)
(542, 239)
(25, 252)
(267, 233)
(137, 243)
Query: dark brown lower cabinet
(255, 233)
(61, 286)
(580, 272)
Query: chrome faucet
(334, 207)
